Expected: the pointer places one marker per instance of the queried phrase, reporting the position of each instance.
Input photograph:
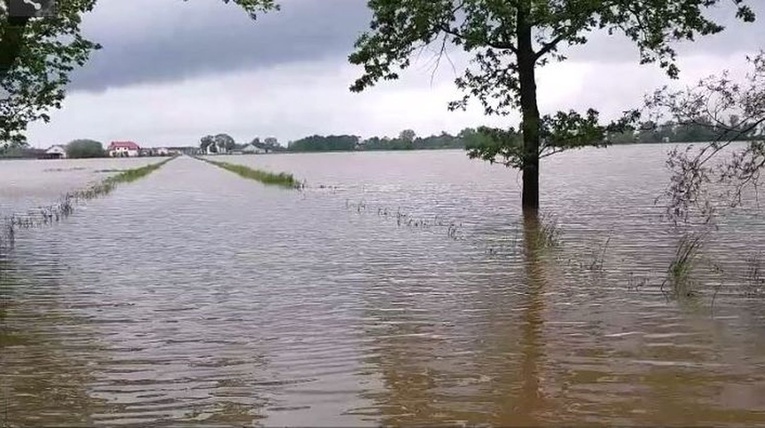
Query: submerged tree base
(282, 179)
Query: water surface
(196, 296)
(28, 184)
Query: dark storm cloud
(170, 40)
(156, 41)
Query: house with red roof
(118, 149)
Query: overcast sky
(171, 72)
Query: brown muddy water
(393, 290)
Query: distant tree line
(224, 143)
(76, 149)
(406, 140)
(701, 130)
(469, 138)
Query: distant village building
(213, 149)
(55, 152)
(189, 150)
(119, 149)
(252, 149)
(154, 151)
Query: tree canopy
(225, 142)
(325, 143)
(36, 56)
(207, 143)
(407, 135)
(219, 143)
(508, 40)
(85, 149)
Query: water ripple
(197, 297)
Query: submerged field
(392, 289)
(27, 184)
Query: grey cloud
(152, 41)
(737, 37)
(159, 41)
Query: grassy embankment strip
(282, 179)
(65, 207)
(125, 176)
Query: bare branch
(694, 176)
(443, 52)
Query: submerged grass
(548, 233)
(282, 179)
(599, 257)
(404, 219)
(679, 271)
(65, 207)
(755, 275)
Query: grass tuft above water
(282, 179)
(679, 271)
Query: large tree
(37, 55)
(508, 40)
(207, 144)
(85, 148)
(224, 142)
(407, 135)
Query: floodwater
(395, 290)
(28, 184)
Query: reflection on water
(44, 378)
(197, 297)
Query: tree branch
(492, 44)
(547, 47)
(440, 54)
(542, 153)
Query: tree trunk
(11, 40)
(529, 111)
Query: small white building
(123, 149)
(252, 149)
(214, 149)
(56, 152)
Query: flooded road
(195, 296)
